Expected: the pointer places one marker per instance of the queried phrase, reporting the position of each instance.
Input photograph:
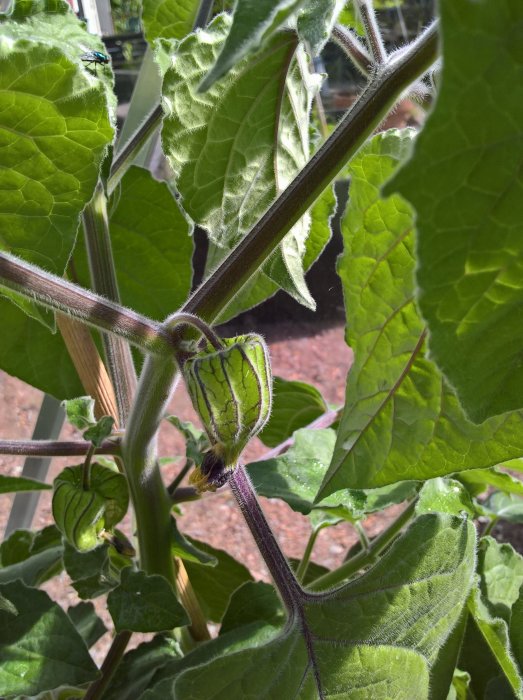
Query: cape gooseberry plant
(96, 256)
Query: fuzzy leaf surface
(465, 181)
(501, 571)
(361, 640)
(168, 19)
(39, 647)
(235, 148)
(253, 23)
(401, 420)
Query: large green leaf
(39, 646)
(465, 182)
(363, 640)
(138, 666)
(151, 245)
(297, 475)
(294, 406)
(143, 603)
(254, 22)
(254, 601)
(401, 420)
(168, 19)
(215, 584)
(234, 149)
(478, 480)
(54, 130)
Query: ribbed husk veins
(81, 514)
(231, 390)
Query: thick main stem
(149, 496)
(279, 568)
(104, 282)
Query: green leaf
(460, 686)
(464, 181)
(254, 601)
(20, 336)
(315, 22)
(99, 432)
(137, 668)
(186, 550)
(297, 475)
(516, 630)
(168, 19)
(143, 603)
(86, 622)
(494, 633)
(39, 647)
(401, 421)
(245, 637)
(54, 128)
(442, 672)
(151, 243)
(196, 440)
(254, 22)
(225, 176)
(444, 496)
(260, 287)
(294, 406)
(13, 484)
(33, 557)
(501, 571)
(92, 573)
(478, 480)
(506, 506)
(361, 638)
(215, 585)
(80, 412)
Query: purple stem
(56, 448)
(281, 572)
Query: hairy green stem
(151, 501)
(58, 294)
(364, 540)
(86, 468)
(365, 557)
(352, 46)
(384, 89)
(304, 563)
(372, 30)
(126, 155)
(104, 282)
(111, 661)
